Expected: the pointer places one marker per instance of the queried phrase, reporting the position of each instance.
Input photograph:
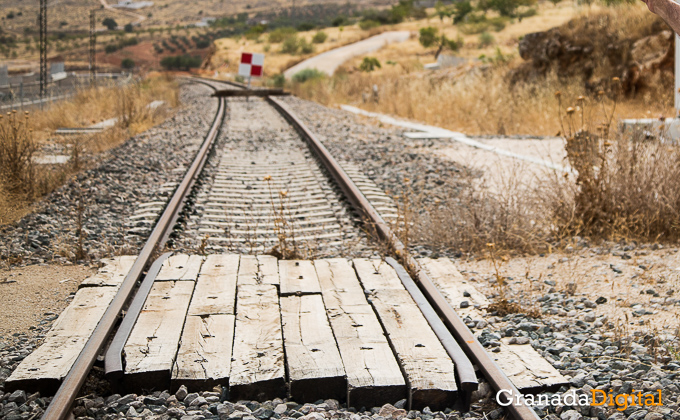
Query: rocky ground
(576, 331)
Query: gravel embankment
(127, 176)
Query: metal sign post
(251, 66)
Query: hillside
(73, 15)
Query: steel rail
(113, 360)
(61, 404)
(473, 349)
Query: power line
(42, 22)
(93, 47)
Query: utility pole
(42, 21)
(93, 46)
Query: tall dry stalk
(17, 148)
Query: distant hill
(18, 16)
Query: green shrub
(486, 39)
(529, 13)
(281, 34)
(181, 62)
(428, 36)
(366, 25)
(278, 80)
(127, 64)
(305, 47)
(320, 37)
(460, 10)
(110, 24)
(368, 64)
(110, 48)
(305, 26)
(128, 27)
(308, 74)
(290, 45)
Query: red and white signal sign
(251, 65)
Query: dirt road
(329, 61)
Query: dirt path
(329, 61)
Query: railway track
(299, 201)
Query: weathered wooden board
(152, 347)
(260, 269)
(298, 277)
(527, 369)
(315, 368)
(204, 356)
(112, 273)
(180, 267)
(373, 374)
(215, 291)
(257, 368)
(429, 369)
(450, 280)
(44, 369)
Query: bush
(486, 39)
(461, 10)
(281, 34)
(290, 45)
(305, 47)
(278, 80)
(369, 64)
(181, 62)
(110, 24)
(128, 27)
(127, 64)
(308, 74)
(366, 25)
(428, 36)
(110, 48)
(305, 26)
(339, 21)
(320, 37)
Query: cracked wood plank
(257, 368)
(215, 291)
(373, 374)
(260, 269)
(44, 369)
(180, 267)
(112, 273)
(204, 356)
(298, 277)
(314, 365)
(522, 364)
(152, 347)
(429, 369)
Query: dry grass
(624, 187)
(22, 136)
(480, 98)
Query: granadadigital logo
(599, 397)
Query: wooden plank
(257, 368)
(429, 369)
(453, 283)
(314, 365)
(260, 269)
(373, 374)
(215, 291)
(151, 349)
(298, 277)
(523, 365)
(180, 267)
(204, 356)
(44, 369)
(112, 273)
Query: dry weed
(22, 180)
